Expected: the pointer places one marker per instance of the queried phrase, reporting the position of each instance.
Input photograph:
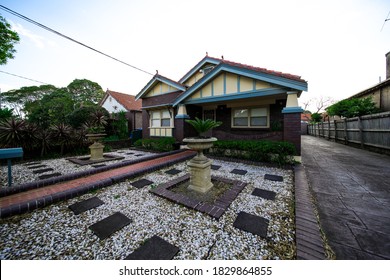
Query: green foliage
(202, 126)
(81, 116)
(8, 39)
(52, 109)
(353, 107)
(262, 151)
(163, 144)
(85, 92)
(6, 113)
(120, 125)
(316, 117)
(18, 98)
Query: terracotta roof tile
(126, 100)
(259, 69)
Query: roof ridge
(260, 69)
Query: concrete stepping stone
(32, 163)
(154, 248)
(239, 171)
(173, 171)
(270, 195)
(139, 155)
(98, 165)
(85, 205)
(50, 175)
(251, 223)
(109, 225)
(215, 167)
(275, 178)
(39, 171)
(141, 183)
(36, 166)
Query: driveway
(352, 190)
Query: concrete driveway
(352, 190)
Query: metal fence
(366, 131)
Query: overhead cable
(69, 38)
(23, 77)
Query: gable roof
(126, 100)
(159, 78)
(281, 79)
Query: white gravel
(55, 232)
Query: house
(251, 102)
(380, 92)
(115, 102)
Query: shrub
(163, 144)
(262, 151)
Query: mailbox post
(9, 154)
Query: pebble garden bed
(55, 232)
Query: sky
(337, 46)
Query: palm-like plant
(12, 133)
(202, 126)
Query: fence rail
(366, 131)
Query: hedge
(164, 144)
(264, 151)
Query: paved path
(352, 189)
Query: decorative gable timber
(199, 70)
(160, 85)
(229, 82)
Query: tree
(6, 113)
(353, 107)
(318, 103)
(8, 39)
(18, 98)
(52, 109)
(316, 117)
(85, 92)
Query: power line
(387, 18)
(23, 77)
(69, 38)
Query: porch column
(180, 118)
(292, 121)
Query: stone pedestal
(200, 165)
(200, 175)
(96, 151)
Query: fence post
(360, 125)
(335, 130)
(346, 132)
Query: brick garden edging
(67, 177)
(43, 201)
(215, 210)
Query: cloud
(39, 41)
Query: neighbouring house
(251, 102)
(115, 102)
(380, 92)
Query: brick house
(252, 102)
(115, 102)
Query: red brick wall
(292, 130)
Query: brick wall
(292, 130)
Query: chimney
(387, 65)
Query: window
(250, 117)
(161, 118)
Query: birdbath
(200, 165)
(97, 147)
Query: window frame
(249, 109)
(161, 118)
